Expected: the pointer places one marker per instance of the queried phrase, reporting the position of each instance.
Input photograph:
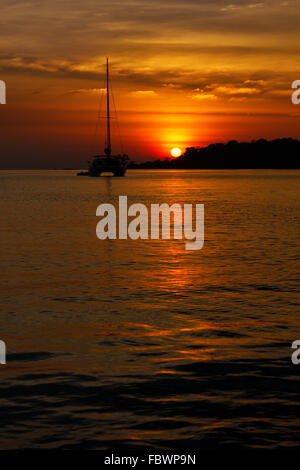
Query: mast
(108, 142)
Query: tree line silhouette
(258, 154)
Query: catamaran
(107, 163)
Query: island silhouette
(257, 154)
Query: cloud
(174, 44)
(256, 82)
(232, 89)
(204, 96)
(232, 7)
(29, 63)
(75, 29)
(171, 85)
(88, 90)
(256, 5)
(144, 93)
(227, 90)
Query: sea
(130, 346)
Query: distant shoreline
(278, 154)
(262, 154)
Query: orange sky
(184, 73)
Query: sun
(175, 152)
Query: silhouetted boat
(107, 163)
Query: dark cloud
(72, 28)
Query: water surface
(142, 345)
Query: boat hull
(108, 164)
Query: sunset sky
(184, 73)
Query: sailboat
(107, 163)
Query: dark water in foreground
(131, 345)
